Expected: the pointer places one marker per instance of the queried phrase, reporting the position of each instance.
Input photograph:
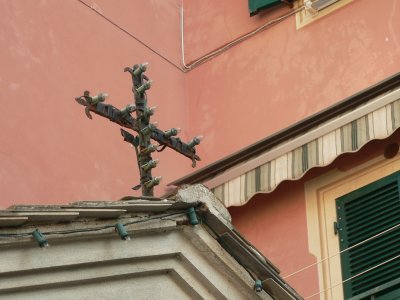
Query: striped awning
(376, 119)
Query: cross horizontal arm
(126, 120)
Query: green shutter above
(362, 214)
(256, 5)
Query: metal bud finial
(149, 128)
(151, 148)
(196, 141)
(150, 165)
(145, 86)
(172, 132)
(153, 182)
(98, 98)
(130, 108)
(151, 110)
(140, 69)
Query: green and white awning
(376, 119)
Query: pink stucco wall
(276, 225)
(281, 75)
(50, 51)
(53, 50)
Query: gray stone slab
(12, 221)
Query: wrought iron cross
(146, 131)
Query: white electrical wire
(355, 276)
(129, 34)
(225, 47)
(185, 67)
(344, 250)
(204, 58)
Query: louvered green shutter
(362, 214)
(257, 5)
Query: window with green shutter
(375, 264)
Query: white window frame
(321, 194)
(305, 17)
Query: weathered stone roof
(18, 215)
(17, 222)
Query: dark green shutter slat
(362, 214)
(390, 289)
(370, 192)
(383, 275)
(383, 189)
(370, 247)
(377, 215)
(356, 237)
(377, 257)
(374, 227)
(369, 210)
(372, 199)
(370, 254)
(384, 206)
